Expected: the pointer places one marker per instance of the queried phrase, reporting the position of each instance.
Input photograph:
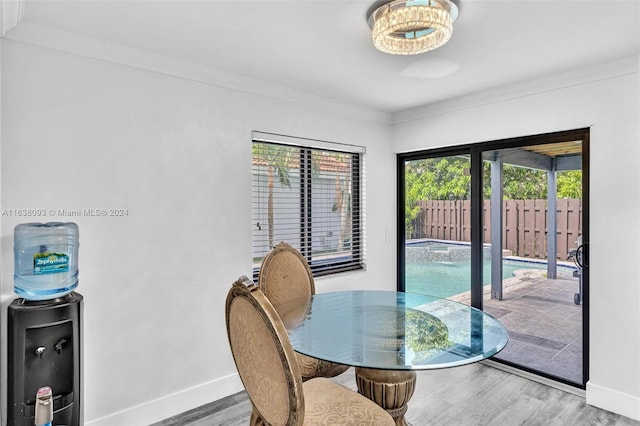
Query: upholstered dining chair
(285, 275)
(269, 371)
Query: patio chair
(284, 276)
(267, 366)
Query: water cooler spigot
(44, 407)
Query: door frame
(475, 150)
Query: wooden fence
(524, 224)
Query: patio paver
(544, 323)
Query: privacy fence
(524, 224)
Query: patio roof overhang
(567, 156)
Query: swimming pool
(442, 270)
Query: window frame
(353, 258)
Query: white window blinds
(308, 193)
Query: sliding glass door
(503, 226)
(437, 226)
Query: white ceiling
(324, 46)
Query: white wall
(606, 99)
(80, 133)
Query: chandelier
(409, 27)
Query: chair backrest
(285, 275)
(263, 355)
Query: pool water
(444, 279)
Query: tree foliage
(278, 160)
(523, 184)
(570, 184)
(448, 178)
(435, 179)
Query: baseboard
(179, 402)
(613, 400)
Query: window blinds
(309, 194)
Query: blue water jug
(46, 259)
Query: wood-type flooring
(476, 394)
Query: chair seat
(329, 403)
(313, 367)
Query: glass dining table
(388, 335)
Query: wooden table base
(390, 389)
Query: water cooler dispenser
(44, 325)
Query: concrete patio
(544, 323)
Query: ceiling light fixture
(409, 27)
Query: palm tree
(342, 204)
(278, 160)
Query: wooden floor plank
(475, 394)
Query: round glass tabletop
(391, 330)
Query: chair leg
(256, 420)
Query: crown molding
(73, 43)
(11, 13)
(603, 71)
